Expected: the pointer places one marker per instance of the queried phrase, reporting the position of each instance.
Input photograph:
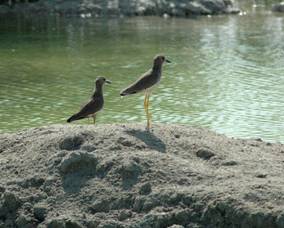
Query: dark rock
(182, 216)
(2, 189)
(73, 224)
(145, 189)
(279, 7)
(126, 7)
(32, 182)
(195, 8)
(56, 223)
(177, 136)
(261, 175)
(124, 214)
(229, 163)
(205, 154)
(100, 205)
(40, 211)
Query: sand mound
(122, 176)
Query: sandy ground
(122, 176)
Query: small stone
(124, 214)
(177, 136)
(205, 154)
(229, 163)
(145, 189)
(40, 211)
(261, 175)
(2, 189)
(100, 206)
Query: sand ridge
(123, 176)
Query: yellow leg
(146, 107)
(145, 102)
(148, 113)
(94, 118)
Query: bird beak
(108, 81)
(168, 61)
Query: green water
(227, 72)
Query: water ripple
(226, 72)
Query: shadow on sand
(151, 140)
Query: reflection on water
(227, 72)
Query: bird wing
(91, 107)
(144, 82)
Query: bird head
(160, 59)
(102, 80)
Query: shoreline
(123, 8)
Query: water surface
(227, 72)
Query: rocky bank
(279, 7)
(112, 176)
(124, 7)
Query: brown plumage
(145, 82)
(94, 105)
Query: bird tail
(123, 94)
(126, 91)
(74, 117)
